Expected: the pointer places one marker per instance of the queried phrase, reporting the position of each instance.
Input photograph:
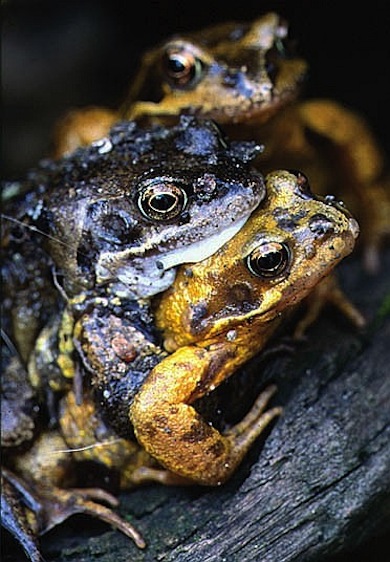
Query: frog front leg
(170, 429)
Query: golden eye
(181, 67)
(269, 260)
(162, 200)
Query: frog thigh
(361, 162)
(171, 430)
(348, 132)
(81, 128)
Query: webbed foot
(28, 513)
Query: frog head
(231, 72)
(292, 241)
(131, 207)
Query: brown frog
(247, 77)
(216, 316)
(123, 213)
(104, 229)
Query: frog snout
(354, 227)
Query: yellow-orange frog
(244, 76)
(217, 315)
(221, 312)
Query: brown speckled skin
(83, 255)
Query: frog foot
(241, 437)
(28, 513)
(376, 225)
(253, 424)
(328, 291)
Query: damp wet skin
(221, 312)
(95, 236)
(208, 331)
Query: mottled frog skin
(221, 312)
(120, 216)
(217, 315)
(247, 77)
(98, 234)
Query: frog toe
(28, 513)
(59, 504)
(254, 423)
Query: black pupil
(176, 66)
(162, 202)
(270, 261)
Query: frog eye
(181, 67)
(162, 200)
(269, 260)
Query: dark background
(61, 54)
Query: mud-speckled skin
(87, 242)
(80, 223)
(246, 77)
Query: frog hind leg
(28, 513)
(19, 514)
(375, 223)
(58, 504)
(362, 167)
(171, 430)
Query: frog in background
(247, 78)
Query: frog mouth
(145, 277)
(201, 250)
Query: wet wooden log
(317, 485)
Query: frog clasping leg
(31, 509)
(170, 429)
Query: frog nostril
(321, 225)
(231, 78)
